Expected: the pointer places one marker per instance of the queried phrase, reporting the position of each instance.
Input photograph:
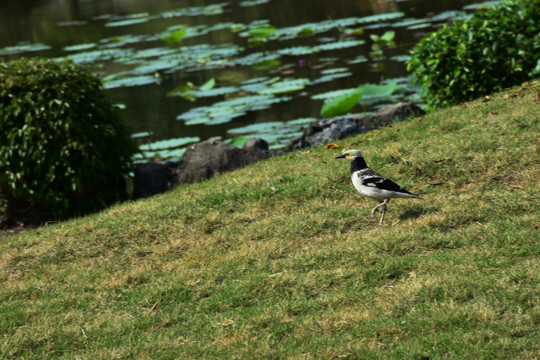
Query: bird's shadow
(417, 211)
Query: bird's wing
(371, 178)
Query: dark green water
(319, 46)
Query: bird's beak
(340, 157)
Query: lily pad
(128, 20)
(285, 86)
(400, 58)
(22, 48)
(419, 26)
(334, 70)
(225, 111)
(191, 92)
(450, 15)
(267, 64)
(483, 5)
(141, 134)
(332, 94)
(169, 143)
(307, 50)
(175, 36)
(130, 81)
(214, 9)
(87, 57)
(80, 47)
(276, 133)
(331, 77)
(237, 141)
(381, 17)
(261, 31)
(208, 85)
(253, 2)
(359, 59)
(341, 104)
(120, 41)
(370, 90)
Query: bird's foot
(382, 216)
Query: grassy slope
(278, 260)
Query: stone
(399, 111)
(207, 159)
(330, 130)
(153, 178)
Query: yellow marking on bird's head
(350, 155)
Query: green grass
(278, 260)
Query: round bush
(64, 150)
(491, 51)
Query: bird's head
(350, 155)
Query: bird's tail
(408, 195)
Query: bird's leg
(373, 211)
(376, 208)
(383, 210)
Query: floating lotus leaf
(130, 81)
(301, 121)
(80, 47)
(370, 90)
(175, 36)
(359, 59)
(400, 58)
(214, 9)
(165, 154)
(409, 22)
(306, 50)
(342, 104)
(227, 110)
(257, 128)
(450, 15)
(483, 5)
(22, 48)
(267, 64)
(334, 70)
(309, 29)
(99, 55)
(255, 58)
(237, 141)
(331, 77)
(209, 85)
(332, 94)
(381, 17)
(169, 143)
(258, 86)
(216, 91)
(120, 41)
(419, 26)
(285, 86)
(128, 20)
(141, 134)
(253, 2)
(151, 67)
(277, 134)
(261, 31)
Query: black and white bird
(373, 185)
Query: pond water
(184, 71)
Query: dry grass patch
(279, 260)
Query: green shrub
(491, 51)
(63, 148)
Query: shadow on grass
(416, 211)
